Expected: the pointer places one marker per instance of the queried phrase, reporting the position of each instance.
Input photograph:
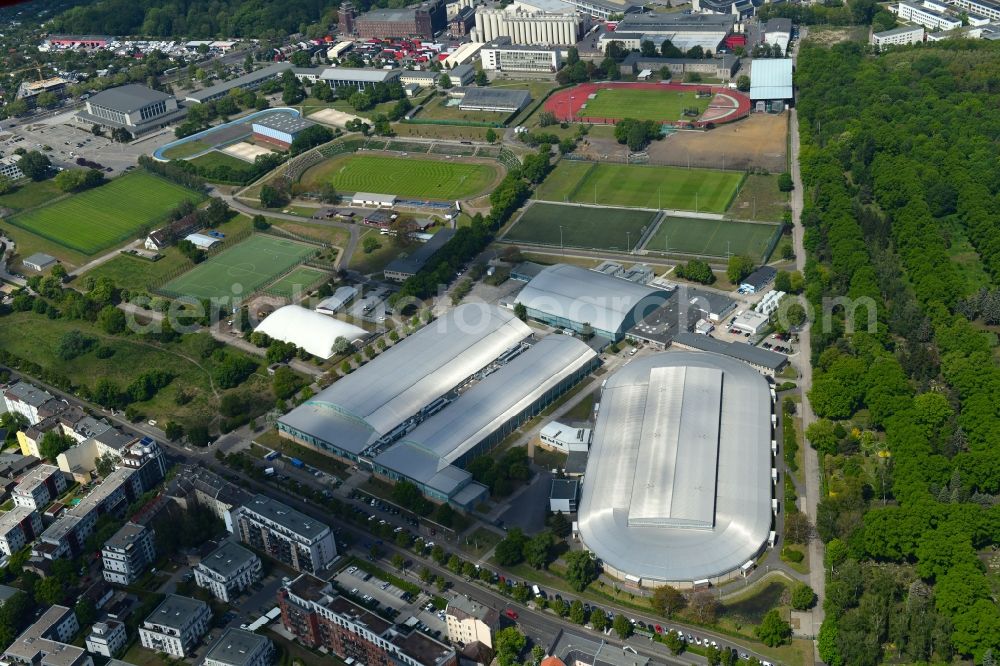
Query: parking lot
(68, 142)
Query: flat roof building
(771, 80)
(46, 642)
(39, 487)
(573, 298)
(18, 527)
(434, 454)
(359, 410)
(766, 362)
(133, 107)
(563, 495)
(287, 535)
(565, 438)
(362, 79)
(502, 56)
(227, 571)
(250, 81)
(128, 554)
(401, 268)
(39, 261)
(175, 626)
(898, 36)
(280, 129)
(758, 279)
(496, 100)
(678, 480)
(238, 647)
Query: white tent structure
(310, 330)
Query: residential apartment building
(107, 638)
(238, 647)
(202, 487)
(507, 57)
(128, 554)
(471, 622)
(320, 618)
(301, 542)
(18, 527)
(229, 570)
(26, 399)
(175, 626)
(39, 487)
(46, 642)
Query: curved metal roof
(585, 296)
(308, 329)
(358, 409)
(678, 484)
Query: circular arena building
(678, 482)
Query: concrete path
(104, 258)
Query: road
(817, 572)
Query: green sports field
(712, 238)
(665, 105)
(640, 186)
(405, 176)
(296, 282)
(240, 270)
(99, 218)
(582, 226)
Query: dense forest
(902, 189)
(272, 19)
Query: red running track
(726, 106)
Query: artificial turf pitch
(643, 104)
(405, 176)
(582, 226)
(240, 270)
(640, 186)
(712, 238)
(99, 218)
(298, 280)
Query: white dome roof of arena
(307, 329)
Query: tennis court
(241, 270)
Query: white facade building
(985, 8)
(898, 36)
(25, 399)
(565, 438)
(928, 17)
(9, 167)
(39, 487)
(229, 570)
(18, 528)
(527, 27)
(176, 625)
(128, 554)
(469, 622)
(107, 638)
(238, 647)
(511, 58)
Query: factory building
(684, 31)
(679, 474)
(422, 21)
(528, 27)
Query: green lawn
(405, 176)
(598, 228)
(672, 188)
(712, 238)
(665, 105)
(216, 159)
(99, 218)
(296, 282)
(240, 270)
(136, 273)
(759, 199)
(31, 194)
(186, 149)
(439, 109)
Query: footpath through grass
(641, 186)
(99, 218)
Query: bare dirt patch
(759, 141)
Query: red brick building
(320, 617)
(422, 21)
